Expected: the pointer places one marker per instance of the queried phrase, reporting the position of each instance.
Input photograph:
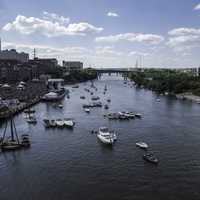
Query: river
(72, 164)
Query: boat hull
(104, 140)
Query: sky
(105, 33)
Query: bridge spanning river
(122, 71)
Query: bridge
(121, 71)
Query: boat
(142, 145)
(52, 123)
(31, 119)
(87, 110)
(60, 105)
(47, 123)
(130, 115)
(28, 111)
(25, 142)
(105, 136)
(95, 98)
(82, 97)
(60, 123)
(138, 115)
(150, 158)
(75, 86)
(108, 100)
(69, 123)
(106, 107)
(158, 100)
(55, 95)
(11, 143)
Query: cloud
(182, 39)
(136, 53)
(48, 51)
(197, 7)
(29, 25)
(112, 14)
(132, 37)
(55, 18)
(107, 51)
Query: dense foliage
(81, 76)
(164, 80)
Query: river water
(72, 164)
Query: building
(44, 65)
(12, 71)
(13, 55)
(72, 66)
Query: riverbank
(162, 81)
(188, 96)
(15, 100)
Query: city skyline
(105, 33)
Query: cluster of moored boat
(123, 115)
(59, 123)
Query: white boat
(105, 136)
(31, 120)
(87, 110)
(138, 115)
(142, 145)
(60, 106)
(69, 123)
(60, 123)
(54, 95)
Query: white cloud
(29, 25)
(197, 7)
(107, 51)
(112, 14)
(48, 51)
(55, 18)
(184, 31)
(136, 53)
(182, 39)
(132, 37)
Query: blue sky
(105, 33)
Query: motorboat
(150, 158)
(87, 110)
(47, 123)
(52, 123)
(25, 142)
(142, 145)
(60, 105)
(28, 111)
(82, 97)
(106, 107)
(69, 123)
(105, 136)
(60, 123)
(75, 86)
(31, 120)
(54, 95)
(108, 100)
(138, 115)
(95, 98)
